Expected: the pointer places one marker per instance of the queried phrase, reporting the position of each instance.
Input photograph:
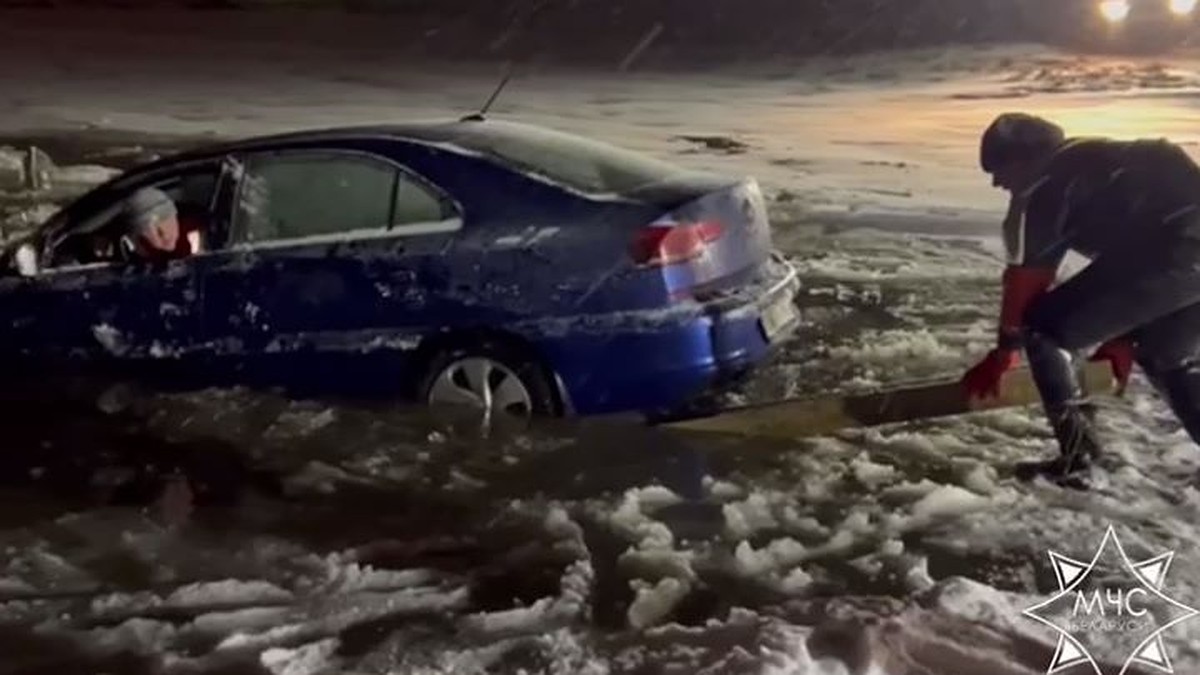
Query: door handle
(399, 283)
(534, 253)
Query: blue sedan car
(495, 264)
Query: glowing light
(1182, 7)
(1122, 119)
(1114, 10)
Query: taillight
(671, 243)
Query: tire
(513, 379)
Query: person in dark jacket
(1133, 208)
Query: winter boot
(1070, 418)
(1079, 449)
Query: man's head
(153, 221)
(1015, 145)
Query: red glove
(983, 379)
(1021, 285)
(1119, 354)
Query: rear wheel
(495, 381)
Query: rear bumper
(739, 336)
(658, 362)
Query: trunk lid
(711, 236)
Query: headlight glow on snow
(1182, 7)
(1115, 10)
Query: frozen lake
(379, 545)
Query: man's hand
(983, 379)
(1020, 286)
(1119, 354)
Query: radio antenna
(479, 116)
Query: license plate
(778, 316)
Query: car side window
(293, 195)
(94, 234)
(414, 203)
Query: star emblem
(1084, 603)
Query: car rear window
(584, 164)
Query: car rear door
(331, 271)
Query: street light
(1115, 11)
(1182, 7)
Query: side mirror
(26, 259)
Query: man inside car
(154, 231)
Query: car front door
(324, 287)
(101, 313)
(127, 320)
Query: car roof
(433, 132)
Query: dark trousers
(1148, 290)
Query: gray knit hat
(147, 207)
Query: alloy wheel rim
(483, 384)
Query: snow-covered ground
(393, 547)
